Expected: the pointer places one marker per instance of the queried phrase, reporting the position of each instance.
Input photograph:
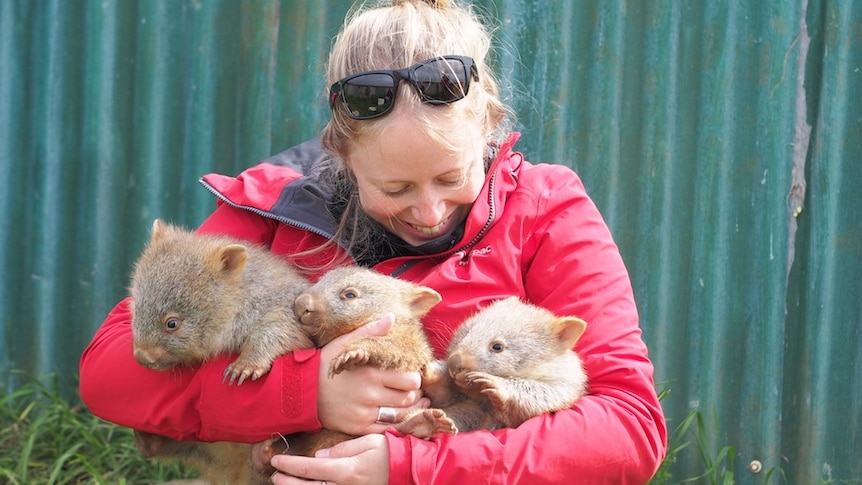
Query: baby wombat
(346, 298)
(196, 296)
(342, 300)
(507, 363)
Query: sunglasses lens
(368, 95)
(371, 94)
(441, 80)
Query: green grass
(691, 436)
(44, 439)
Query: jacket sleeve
(194, 403)
(615, 434)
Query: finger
(387, 417)
(296, 469)
(376, 328)
(398, 399)
(349, 448)
(399, 380)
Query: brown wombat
(346, 298)
(507, 363)
(342, 300)
(195, 296)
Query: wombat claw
(239, 372)
(347, 360)
(487, 386)
(427, 423)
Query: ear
(569, 330)
(422, 299)
(229, 259)
(158, 231)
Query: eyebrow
(458, 171)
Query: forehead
(405, 149)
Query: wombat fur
(507, 363)
(341, 301)
(346, 298)
(196, 296)
(221, 463)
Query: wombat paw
(434, 372)
(240, 371)
(263, 451)
(490, 386)
(480, 380)
(348, 360)
(427, 423)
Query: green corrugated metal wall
(700, 128)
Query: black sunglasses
(370, 94)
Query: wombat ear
(158, 231)
(230, 258)
(569, 330)
(422, 299)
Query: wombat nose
(459, 361)
(302, 303)
(144, 358)
(304, 308)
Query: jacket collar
(276, 188)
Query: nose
(152, 357)
(429, 208)
(461, 362)
(304, 307)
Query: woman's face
(412, 184)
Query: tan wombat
(196, 296)
(507, 363)
(346, 298)
(341, 301)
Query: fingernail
(324, 453)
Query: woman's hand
(351, 400)
(360, 461)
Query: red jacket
(533, 232)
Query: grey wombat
(507, 363)
(195, 296)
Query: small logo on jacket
(464, 255)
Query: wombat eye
(497, 347)
(171, 324)
(349, 294)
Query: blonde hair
(392, 34)
(398, 33)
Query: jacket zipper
(291, 222)
(463, 249)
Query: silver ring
(323, 482)
(385, 415)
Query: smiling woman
(430, 194)
(422, 183)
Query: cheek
(378, 206)
(472, 190)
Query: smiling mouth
(431, 231)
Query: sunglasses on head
(370, 94)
